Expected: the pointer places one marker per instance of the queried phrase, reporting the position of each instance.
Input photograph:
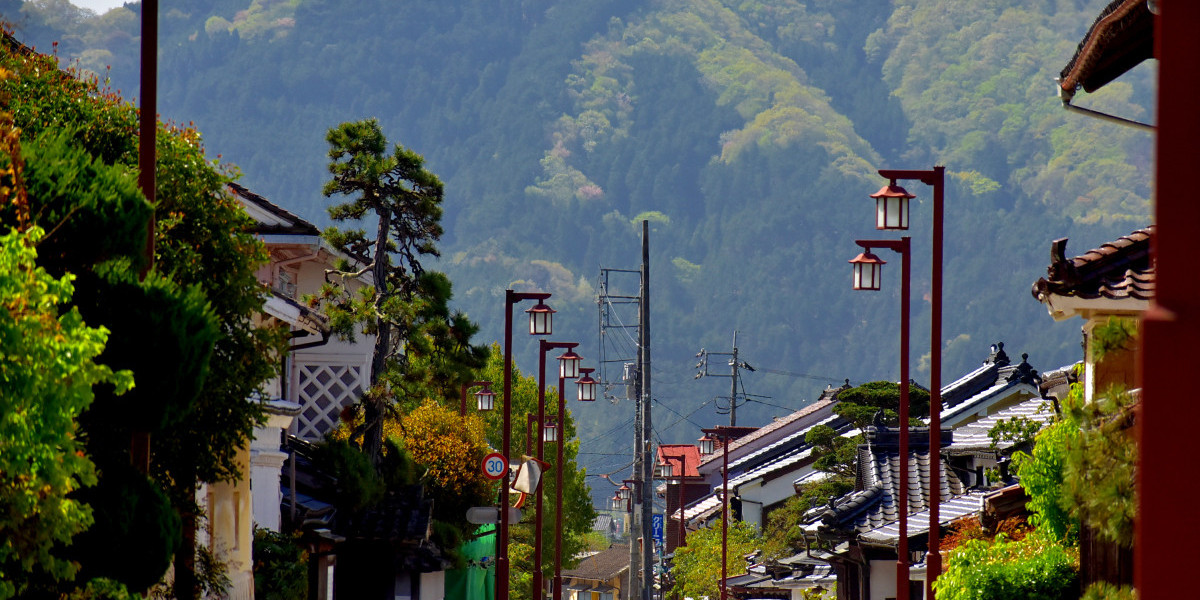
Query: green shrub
(280, 566)
(1035, 568)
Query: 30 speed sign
(494, 465)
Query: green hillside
(748, 133)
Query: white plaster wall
(883, 579)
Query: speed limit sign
(494, 466)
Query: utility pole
(635, 374)
(647, 463)
(734, 364)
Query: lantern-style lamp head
(550, 430)
(891, 207)
(707, 445)
(541, 319)
(485, 400)
(663, 471)
(868, 269)
(586, 386)
(568, 364)
(624, 492)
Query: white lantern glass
(586, 387)
(868, 271)
(550, 431)
(541, 319)
(624, 492)
(892, 207)
(664, 471)
(485, 400)
(568, 365)
(707, 445)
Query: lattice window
(324, 391)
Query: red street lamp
(540, 323)
(568, 363)
(891, 207)
(934, 178)
(665, 471)
(586, 387)
(707, 445)
(484, 398)
(904, 248)
(868, 270)
(723, 433)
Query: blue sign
(656, 524)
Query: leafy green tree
(47, 370)
(697, 569)
(198, 302)
(398, 302)
(859, 404)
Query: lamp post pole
(544, 347)
(904, 248)
(540, 323)
(586, 393)
(934, 178)
(682, 529)
(722, 432)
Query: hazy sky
(100, 6)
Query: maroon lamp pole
(541, 320)
(484, 399)
(568, 363)
(867, 271)
(892, 196)
(586, 387)
(722, 432)
(682, 468)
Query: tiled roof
(879, 473)
(688, 452)
(918, 523)
(975, 435)
(1120, 38)
(277, 219)
(602, 566)
(404, 517)
(1117, 270)
(828, 397)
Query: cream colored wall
(231, 520)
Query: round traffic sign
(494, 466)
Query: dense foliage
(280, 566)
(1034, 568)
(184, 328)
(47, 370)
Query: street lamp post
(722, 432)
(484, 398)
(934, 178)
(568, 365)
(540, 323)
(586, 390)
(666, 473)
(867, 271)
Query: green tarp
(478, 580)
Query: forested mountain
(747, 132)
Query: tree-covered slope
(748, 133)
